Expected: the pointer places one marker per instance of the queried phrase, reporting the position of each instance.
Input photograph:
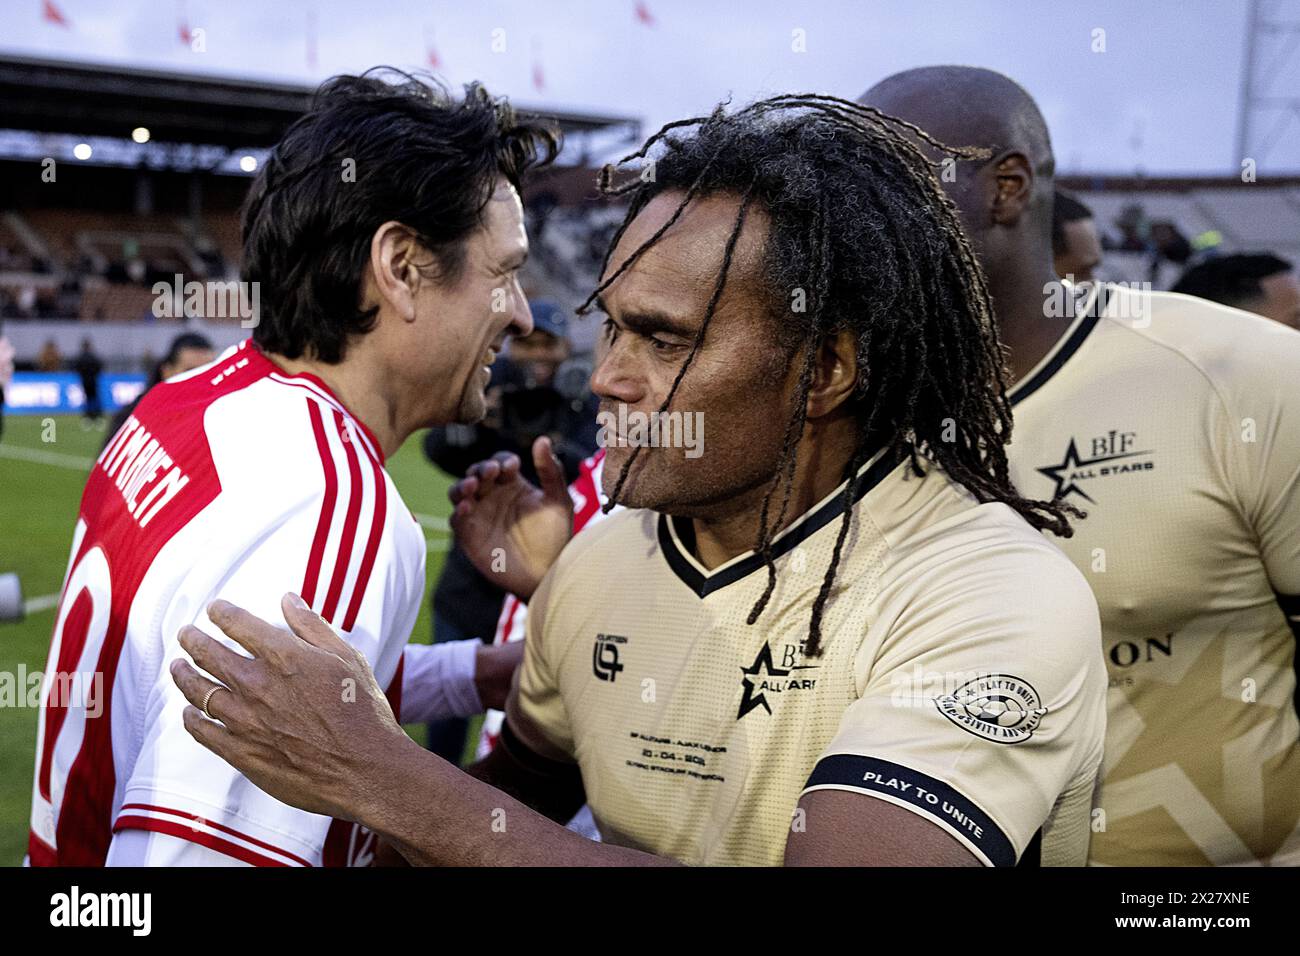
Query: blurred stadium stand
(79, 256)
(1214, 214)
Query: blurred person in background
(26, 301)
(49, 359)
(535, 390)
(1160, 239)
(1260, 282)
(68, 299)
(1076, 246)
(88, 367)
(188, 351)
(6, 374)
(1171, 246)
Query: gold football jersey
(1175, 423)
(960, 678)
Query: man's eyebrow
(645, 321)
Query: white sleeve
(146, 848)
(438, 681)
(352, 550)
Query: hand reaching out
(509, 528)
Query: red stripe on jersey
(320, 383)
(347, 843)
(126, 823)
(329, 400)
(344, 558)
(317, 386)
(40, 853)
(372, 549)
(82, 832)
(327, 508)
(585, 485)
(506, 622)
(197, 836)
(75, 629)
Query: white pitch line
(432, 522)
(57, 459)
(38, 604)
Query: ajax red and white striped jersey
(236, 481)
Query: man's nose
(521, 319)
(614, 377)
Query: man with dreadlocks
(1173, 421)
(836, 637)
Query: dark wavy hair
(420, 158)
(860, 223)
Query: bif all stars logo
(772, 675)
(1112, 455)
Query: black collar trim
(1091, 310)
(676, 538)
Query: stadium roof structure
(51, 96)
(1127, 182)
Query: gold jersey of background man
(1175, 424)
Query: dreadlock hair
(859, 222)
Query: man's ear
(393, 253)
(835, 374)
(1014, 181)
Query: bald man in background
(1175, 424)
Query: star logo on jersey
(1074, 469)
(767, 678)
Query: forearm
(439, 680)
(549, 787)
(438, 815)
